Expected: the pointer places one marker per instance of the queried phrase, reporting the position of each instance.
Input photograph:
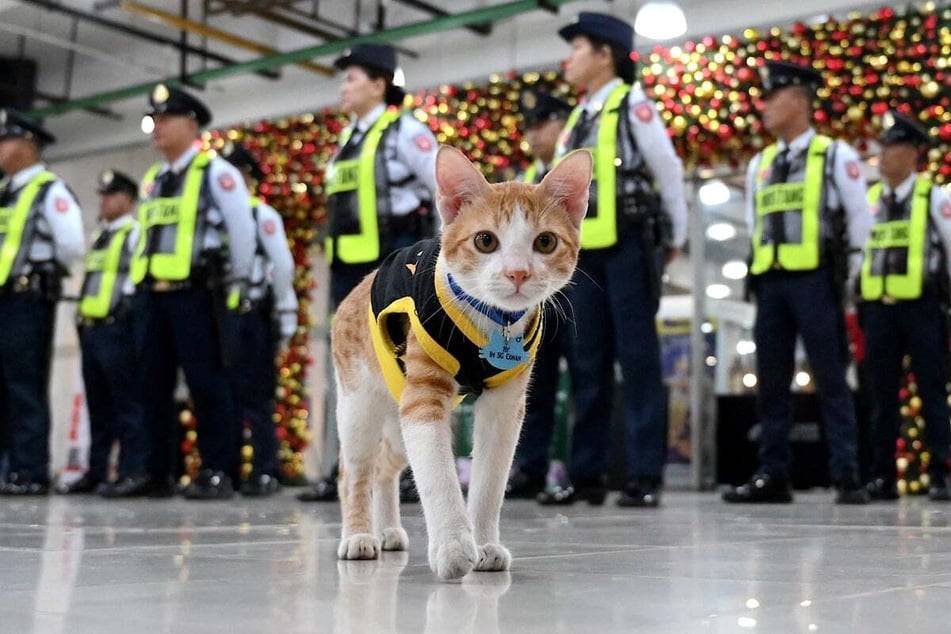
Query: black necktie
(893, 207)
(777, 227)
(580, 132)
(164, 184)
(6, 194)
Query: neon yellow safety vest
(156, 213)
(909, 235)
(599, 230)
(531, 174)
(102, 287)
(800, 199)
(13, 223)
(359, 175)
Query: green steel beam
(465, 18)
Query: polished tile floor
(85, 565)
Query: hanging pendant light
(660, 20)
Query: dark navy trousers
(791, 303)
(614, 320)
(253, 379)
(891, 331)
(26, 351)
(178, 329)
(532, 455)
(114, 398)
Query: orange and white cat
(453, 315)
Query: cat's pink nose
(518, 278)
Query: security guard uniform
(379, 185)
(266, 314)
(41, 236)
(806, 210)
(111, 373)
(532, 453)
(637, 190)
(904, 288)
(196, 237)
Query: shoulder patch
(423, 142)
(226, 181)
(61, 204)
(269, 227)
(946, 209)
(852, 170)
(644, 111)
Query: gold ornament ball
(915, 402)
(930, 89)
(247, 452)
(902, 463)
(914, 486)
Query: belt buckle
(888, 300)
(162, 286)
(21, 283)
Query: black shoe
(323, 491)
(129, 487)
(849, 491)
(210, 485)
(938, 490)
(259, 486)
(762, 488)
(882, 489)
(408, 492)
(522, 486)
(17, 485)
(85, 484)
(591, 492)
(640, 492)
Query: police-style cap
(378, 56)
(241, 157)
(899, 128)
(113, 182)
(165, 99)
(777, 74)
(601, 26)
(538, 107)
(16, 124)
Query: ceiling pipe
(139, 33)
(458, 20)
(480, 29)
(216, 34)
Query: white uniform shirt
(657, 149)
(60, 218)
(230, 203)
(279, 265)
(410, 152)
(939, 209)
(847, 188)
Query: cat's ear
(457, 182)
(568, 182)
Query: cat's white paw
(454, 558)
(395, 538)
(359, 546)
(493, 558)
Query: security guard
(196, 239)
(41, 233)
(267, 314)
(808, 216)
(636, 222)
(111, 374)
(380, 184)
(543, 118)
(904, 286)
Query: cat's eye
(486, 242)
(545, 242)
